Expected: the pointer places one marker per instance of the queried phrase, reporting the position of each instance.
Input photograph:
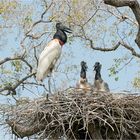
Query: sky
(79, 53)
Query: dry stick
(62, 112)
(135, 7)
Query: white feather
(48, 59)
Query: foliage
(26, 27)
(136, 81)
(119, 64)
(7, 7)
(94, 23)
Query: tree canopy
(99, 26)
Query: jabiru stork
(99, 84)
(52, 52)
(83, 82)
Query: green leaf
(116, 78)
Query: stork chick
(83, 82)
(99, 84)
(52, 52)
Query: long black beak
(86, 66)
(60, 26)
(94, 68)
(97, 66)
(66, 29)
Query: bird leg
(49, 84)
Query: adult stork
(52, 52)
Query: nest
(75, 115)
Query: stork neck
(61, 42)
(97, 75)
(83, 73)
(61, 36)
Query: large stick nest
(76, 115)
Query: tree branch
(27, 34)
(122, 43)
(135, 7)
(12, 58)
(120, 3)
(12, 88)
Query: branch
(36, 23)
(28, 35)
(120, 3)
(133, 52)
(135, 7)
(121, 17)
(91, 17)
(122, 43)
(19, 57)
(125, 65)
(104, 49)
(12, 88)
(26, 62)
(12, 58)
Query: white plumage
(52, 52)
(48, 59)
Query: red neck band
(61, 42)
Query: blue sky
(80, 52)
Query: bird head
(84, 65)
(97, 66)
(60, 26)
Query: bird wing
(47, 59)
(106, 87)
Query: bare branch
(12, 88)
(134, 53)
(125, 64)
(47, 8)
(115, 47)
(135, 7)
(12, 58)
(41, 20)
(91, 17)
(36, 23)
(9, 58)
(27, 64)
(120, 3)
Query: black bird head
(60, 26)
(60, 33)
(83, 70)
(97, 66)
(84, 65)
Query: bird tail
(38, 77)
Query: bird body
(83, 82)
(83, 85)
(48, 59)
(52, 52)
(99, 84)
